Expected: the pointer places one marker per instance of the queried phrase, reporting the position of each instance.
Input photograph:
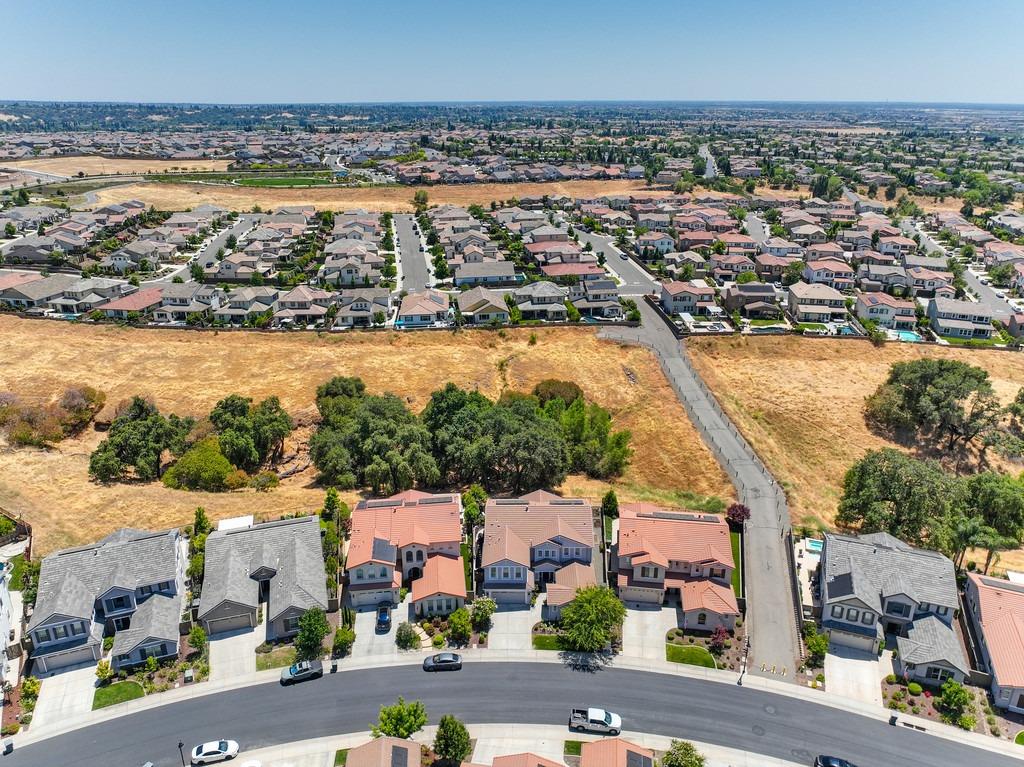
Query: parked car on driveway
(444, 661)
(214, 751)
(383, 617)
(301, 671)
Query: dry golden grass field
(398, 199)
(103, 166)
(187, 372)
(800, 403)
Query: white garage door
(230, 623)
(64, 659)
(856, 641)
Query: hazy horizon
(454, 51)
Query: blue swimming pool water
(909, 335)
(814, 544)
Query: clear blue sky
(235, 51)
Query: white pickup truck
(595, 720)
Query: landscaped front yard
(119, 692)
(693, 655)
(276, 657)
(547, 642)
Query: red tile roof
(136, 302)
(1001, 614)
(441, 575)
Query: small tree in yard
(406, 637)
(682, 753)
(332, 505)
(483, 609)
(452, 743)
(152, 664)
(817, 646)
(197, 639)
(400, 720)
(459, 626)
(718, 639)
(736, 515)
(104, 672)
(610, 505)
(313, 627)
(953, 699)
(344, 638)
(587, 622)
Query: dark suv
(384, 617)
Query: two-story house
(541, 300)
(129, 585)
(829, 271)
(393, 539)
(886, 310)
(424, 308)
(695, 297)
(960, 319)
(996, 611)
(527, 540)
(362, 307)
(679, 557)
(815, 302)
(873, 585)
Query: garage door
(856, 641)
(65, 659)
(230, 623)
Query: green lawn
(279, 657)
(737, 557)
(18, 572)
(973, 341)
(573, 748)
(607, 529)
(118, 692)
(810, 326)
(762, 323)
(340, 757)
(692, 655)
(467, 566)
(547, 642)
(280, 181)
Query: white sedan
(214, 751)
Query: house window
(702, 618)
(448, 605)
(77, 628)
(42, 635)
(291, 624)
(943, 610)
(852, 614)
(867, 618)
(506, 573)
(494, 572)
(383, 572)
(359, 574)
(898, 609)
(146, 590)
(938, 674)
(60, 632)
(408, 556)
(837, 611)
(419, 555)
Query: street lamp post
(181, 752)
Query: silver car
(301, 671)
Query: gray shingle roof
(156, 618)
(929, 640)
(875, 566)
(291, 547)
(70, 581)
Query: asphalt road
(209, 256)
(710, 169)
(737, 717)
(771, 617)
(987, 297)
(634, 280)
(414, 263)
(756, 228)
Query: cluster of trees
(217, 453)
(43, 425)
(517, 443)
(923, 504)
(948, 402)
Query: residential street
(987, 297)
(756, 229)
(413, 263)
(542, 693)
(710, 169)
(771, 618)
(209, 256)
(635, 281)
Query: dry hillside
(187, 372)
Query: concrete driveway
(512, 627)
(233, 654)
(371, 644)
(853, 674)
(644, 629)
(65, 694)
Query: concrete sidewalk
(494, 740)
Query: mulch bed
(989, 719)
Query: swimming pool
(909, 336)
(814, 544)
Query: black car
(383, 617)
(832, 761)
(444, 661)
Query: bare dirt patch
(800, 403)
(394, 198)
(104, 166)
(187, 372)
